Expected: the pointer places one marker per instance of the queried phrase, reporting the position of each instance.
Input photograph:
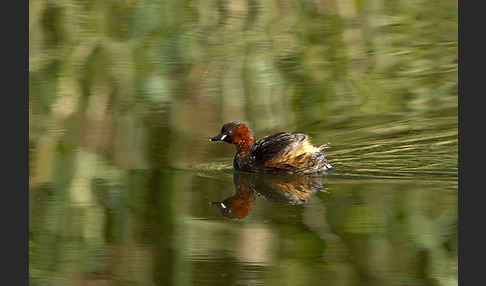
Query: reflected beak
(219, 137)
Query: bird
(281, 153)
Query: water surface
(126, 189)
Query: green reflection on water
(124, 95)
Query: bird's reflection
(288, 190)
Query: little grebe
(282, 152)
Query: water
(126, 189)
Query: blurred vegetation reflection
(124, 94)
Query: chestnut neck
(243, 139)
(241, 203)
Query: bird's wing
(276, 146)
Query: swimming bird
(283, 152)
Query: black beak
(224, 208)
(218, 204)
(218, 137)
